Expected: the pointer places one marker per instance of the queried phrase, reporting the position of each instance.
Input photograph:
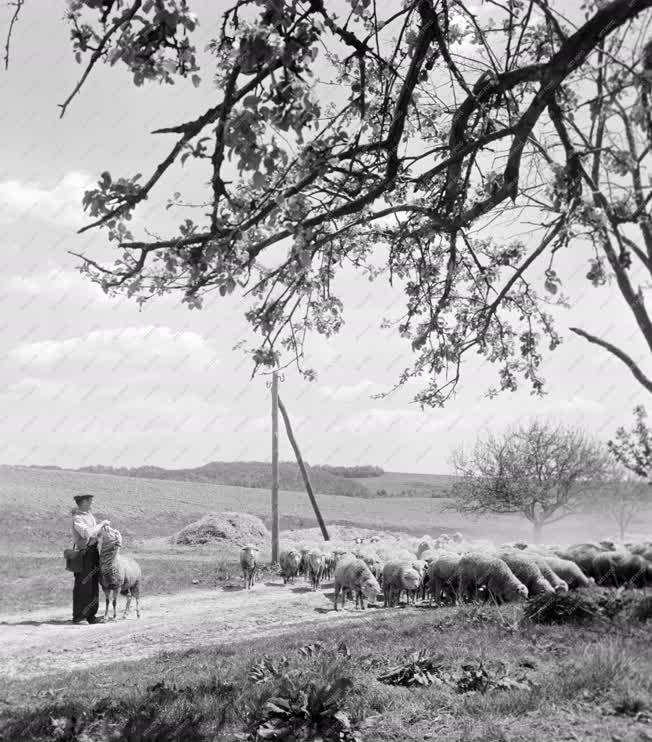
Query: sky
(87, 379)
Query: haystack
(236, 528)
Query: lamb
(477, 569)
(290, 561)
(569, 572)
(443, 573)
(248, 563)
(118, 573)
(399, 576)
(316, 566)
(621, 568)
(527, 571)
(353, 575)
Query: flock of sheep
(452, 570)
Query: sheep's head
(562, 587)
(411, 579)
(108, 536)
(370, 588)
(522, 592)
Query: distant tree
(385, 137)
(353, 471)
(541, 471)
(624, 496)
(633, 448)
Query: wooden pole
(304, 472)
(275, 519)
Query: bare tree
(539, 470)
(346, 130)
(623, 497)
(633, 448)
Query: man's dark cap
(80, 498)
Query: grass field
(35, 511)
(400, 484)
(539, 683)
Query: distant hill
(256, 474)
(402, 484)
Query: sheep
(329, 566)
(303, 564)
(429, 556)
(621, 568)
(559, 585)
(458, 537)
(425, 544)
(316, 565)
(290, 561)
(399, 576)
(644, 549)
(353, 575)
(422, 568)
(443, 573)
(477, 569)
(118, 573)
(527, 571)
(569, 572)
(248, 563)
(582, 555)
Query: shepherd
(84, 561)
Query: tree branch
(621, 355)
(18, 4)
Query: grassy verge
(33, 583)
(493, 679)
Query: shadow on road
(302, 590)
(46, 622)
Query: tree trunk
(537, 529)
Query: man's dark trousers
(85, 594)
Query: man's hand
(105, 523)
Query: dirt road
(47, 642)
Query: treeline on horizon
(325, 479)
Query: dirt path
(49, 643)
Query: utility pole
(275, 519)
(304, 471)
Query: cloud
(398, 421)
(351, 392)
(57, 284)
(58, 205)
(107, 351)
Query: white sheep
(443, 573)
(118, 573)
(527, 571)
(248, 563)
(290, 561)
(399, 576)
(478, 569)
(316, 566)
(421, 567)
(354, 576)
(569, 572)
